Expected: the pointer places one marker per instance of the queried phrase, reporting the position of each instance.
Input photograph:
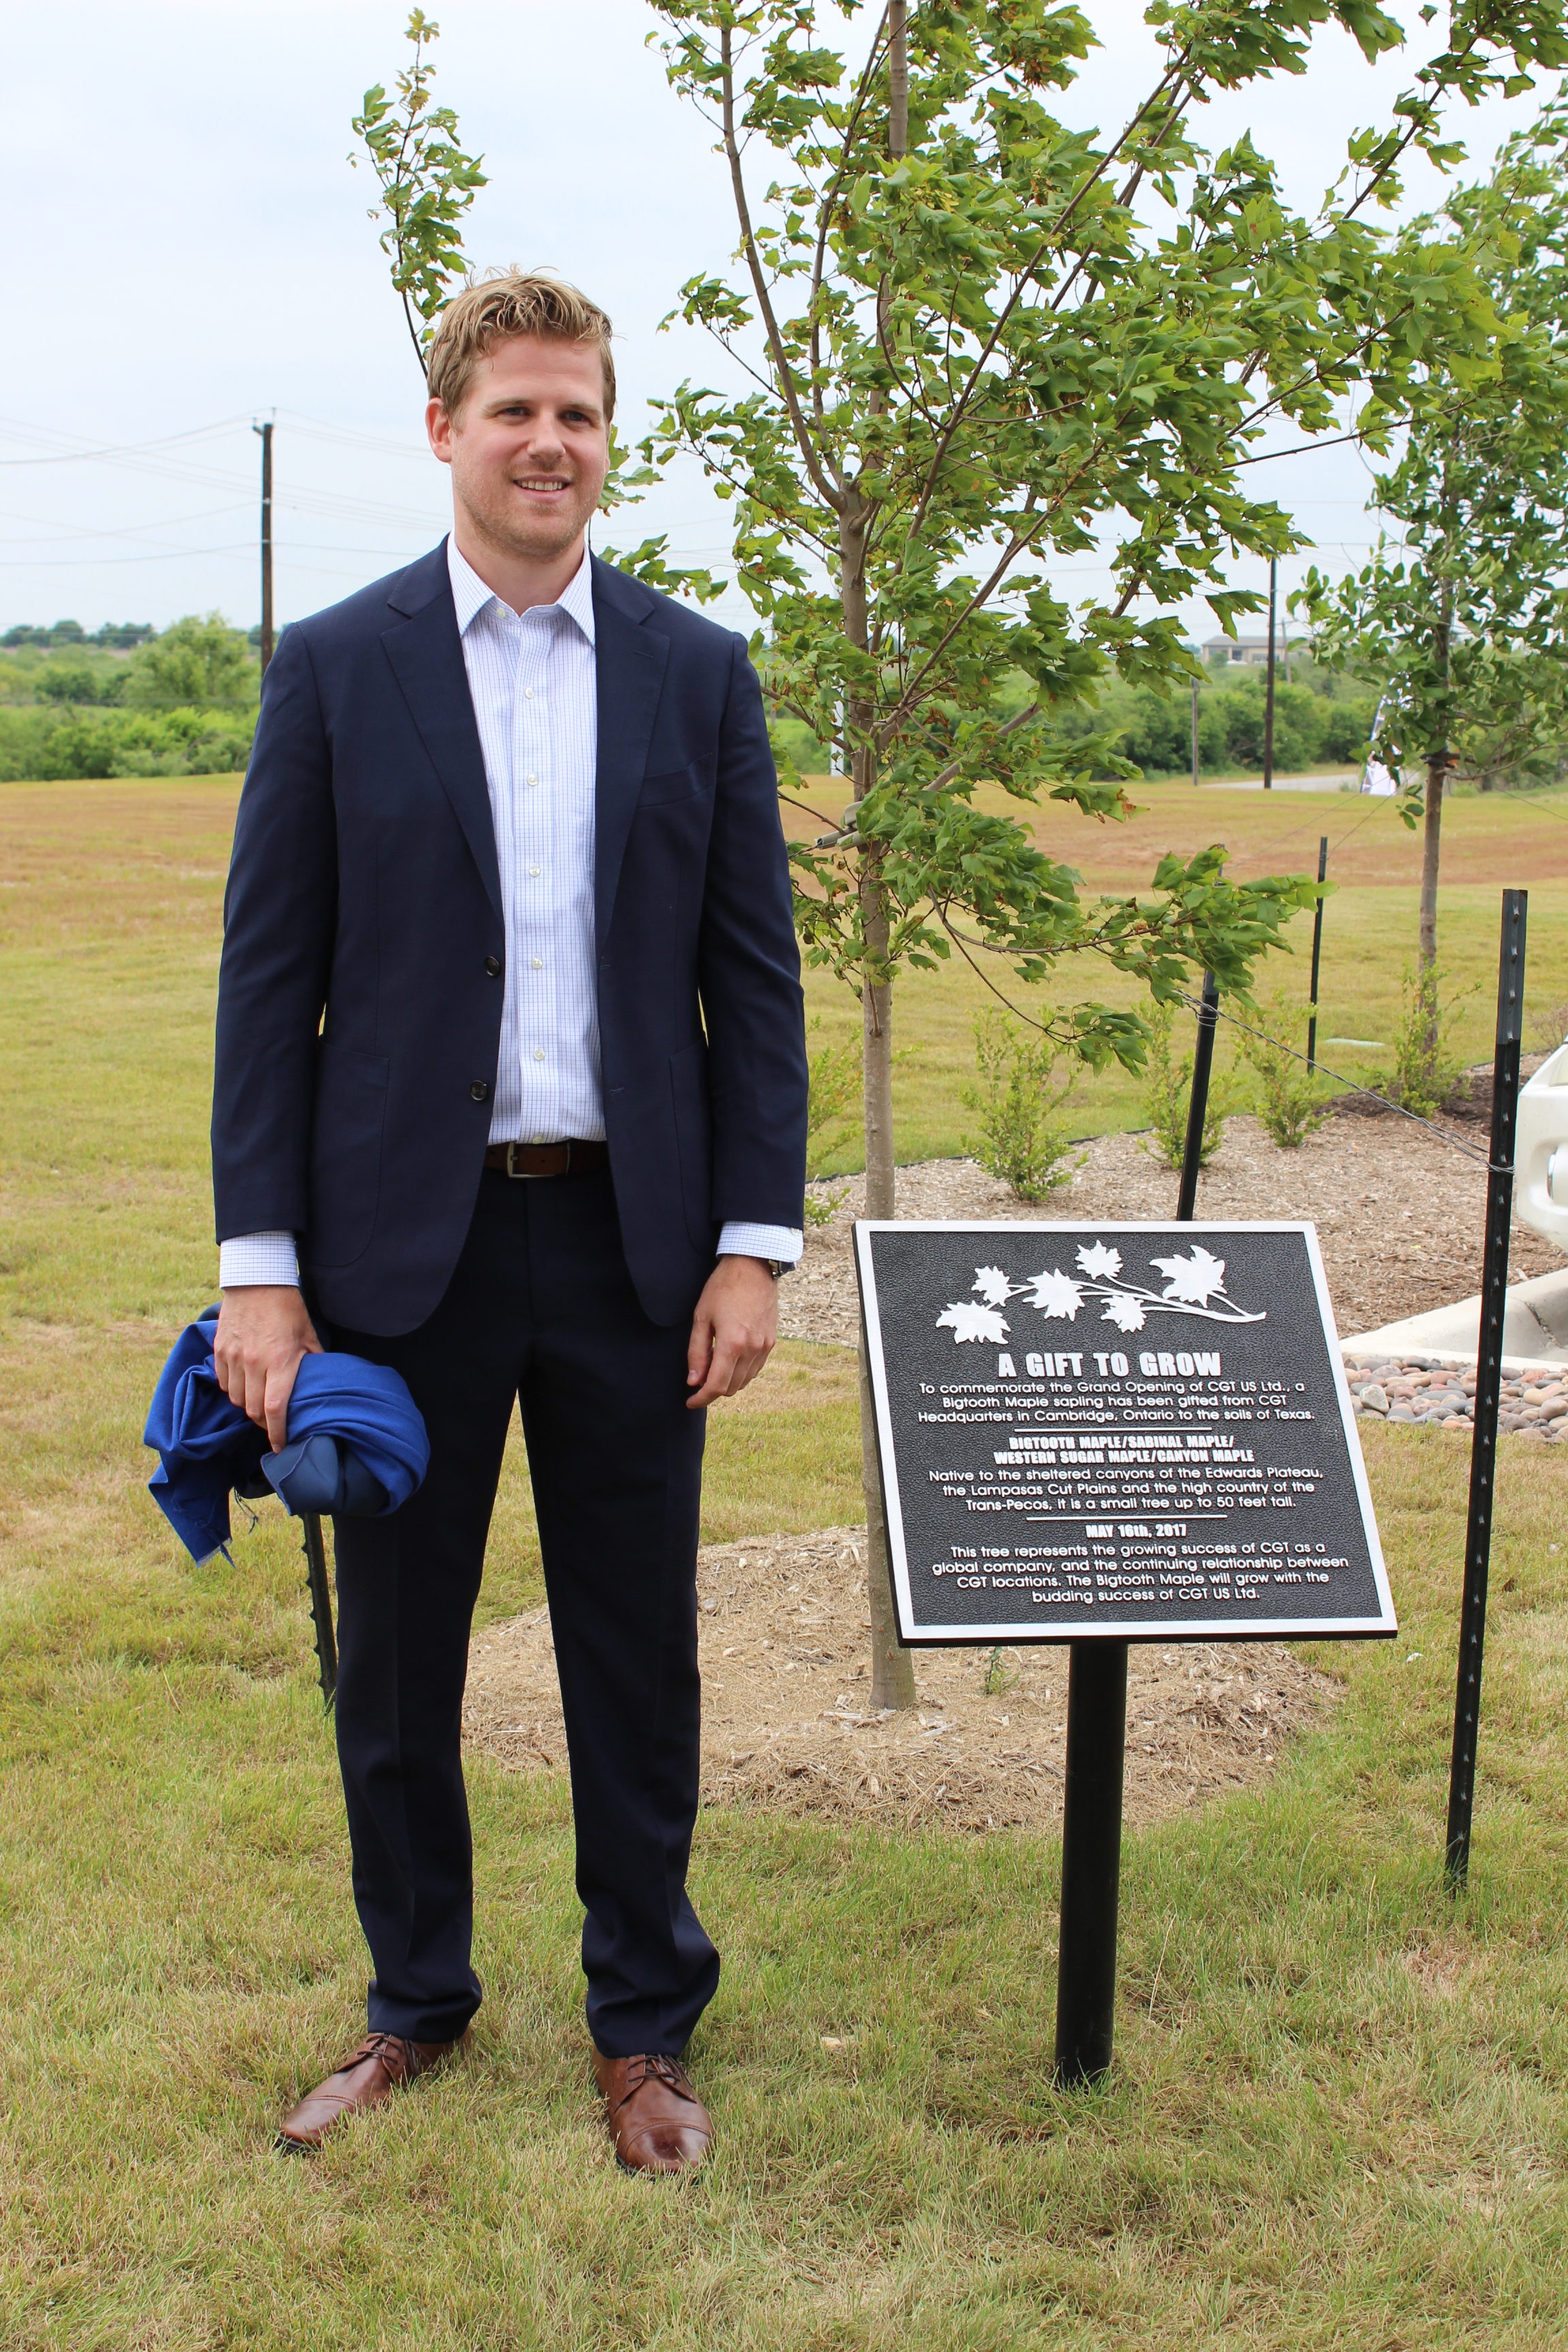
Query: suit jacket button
(480, 1090)
(492, 966)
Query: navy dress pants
(540, 1310)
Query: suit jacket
(360, 997)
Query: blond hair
(503, 303)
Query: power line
(115, 449)
(326, 505)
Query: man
(510, 1094)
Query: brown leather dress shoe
(657, 2120)
(383, 2063)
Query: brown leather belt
(569, 1159)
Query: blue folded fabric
(356, 1443)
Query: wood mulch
(1399, 1214)
(787, 1726)
(786, 1723)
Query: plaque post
(1097, 1749)
(1489, 1384)
(1091, 1860)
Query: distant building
(1249, 652)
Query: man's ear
(439, 427)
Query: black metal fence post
(1317, 956)
(1198, 1101)
(1489, 1384)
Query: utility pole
(1194, 734)
(1269, 696)
(266, 432)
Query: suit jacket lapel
(427, 656)
(630, 658)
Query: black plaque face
(1138, 1431)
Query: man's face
(529, 449)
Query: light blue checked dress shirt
(534, 684)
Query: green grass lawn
(1369, 939)
(1338, 2117)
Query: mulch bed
(1399, 1211)
(787, 1726)
(786, 1723)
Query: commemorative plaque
(1138, 1431)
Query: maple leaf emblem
(1125, 1311)
(1056, 1294)
(994, 1287)
(971, 1319)
(1192, 1279)
(1095, 1258)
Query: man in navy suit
(510, 1094)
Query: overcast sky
(187, 251)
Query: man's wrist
(771, 1246)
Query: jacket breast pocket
(345, 1153)
(674, 784)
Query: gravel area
(1419, 1388)
(1399, 1215)
(786, 1727)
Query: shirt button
(539, 1053)
(492, 966)
(536, 963)
(531, 780)
(534, 870)
(527, 694)
(480, 1090)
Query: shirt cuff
(782, 1242)
(254, 1258)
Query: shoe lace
(398, 2054)
(663, 2068)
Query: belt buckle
(524, 1175)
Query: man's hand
(262, 1332)
(733, 1330)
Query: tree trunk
(1431, 844)
(1269, 690)
(893, 1668)
(898, 79)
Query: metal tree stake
(1489, 1385)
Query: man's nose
(546, 443)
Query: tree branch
(831, 494)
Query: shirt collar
(471, 597)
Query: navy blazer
(360, 997)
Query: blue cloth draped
(356, 1442)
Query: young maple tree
(979, 339)
(1462, 610)
(975, 341)
(427, 183)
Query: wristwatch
(779, 1266)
